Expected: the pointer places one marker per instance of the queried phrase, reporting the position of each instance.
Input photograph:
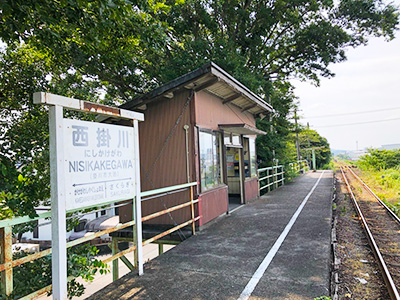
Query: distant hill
(349, 154)
(336, 151)
(391, 147)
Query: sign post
(137, 204)
(58, 220)
(91, 164)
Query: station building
(200, 127)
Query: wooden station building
(201, 128)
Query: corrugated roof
(212, 79)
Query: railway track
(382, 228)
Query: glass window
(252, 151)
(232, 162)
(246, 155)
(236, 139)
(209, 160)
(227, 138)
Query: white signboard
(99, 163)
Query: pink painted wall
(251, 189)
(212, 204)
(210, 112)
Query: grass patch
(385, 183)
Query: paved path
(234, 258)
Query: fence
(272, 177)
(6, 258)
(299, 166)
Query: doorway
(234, 176)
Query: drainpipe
(186, 128)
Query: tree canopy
(380, 159)
(111, 51)
(114, 50)
(309, 139)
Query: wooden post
(6, 257)
(192, 211)
(115, 250)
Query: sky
(369, 81)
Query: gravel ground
(358, 275)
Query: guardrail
(6, 256)
(299, 166)
(273, 177)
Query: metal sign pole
(138, 216)
(58, 219)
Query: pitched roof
(212, 79)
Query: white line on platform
(248, 290)
(236, 208)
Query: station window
(227, 138)
(232, 139)
(246, 155)
(252, 152)
(209, 159)
(236, 139)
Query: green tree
(35, 275)
(115, 50)
(277, 143)
(271, 40)
(265, 43)
(24, 160)
(309, 139)
(380, 159)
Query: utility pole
(314, 159)
(297, 135)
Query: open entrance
(234, 176)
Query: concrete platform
(220, 261)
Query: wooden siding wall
(204, 111)
(210, 112)
(170, 168)
(251, 189)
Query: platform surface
(220, 261)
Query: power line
(352, 113)
(358, 123)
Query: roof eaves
(184, 79)
(221, 73)
(211, 68)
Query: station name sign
(99, 163)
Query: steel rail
(391, 212)
(394, 294)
